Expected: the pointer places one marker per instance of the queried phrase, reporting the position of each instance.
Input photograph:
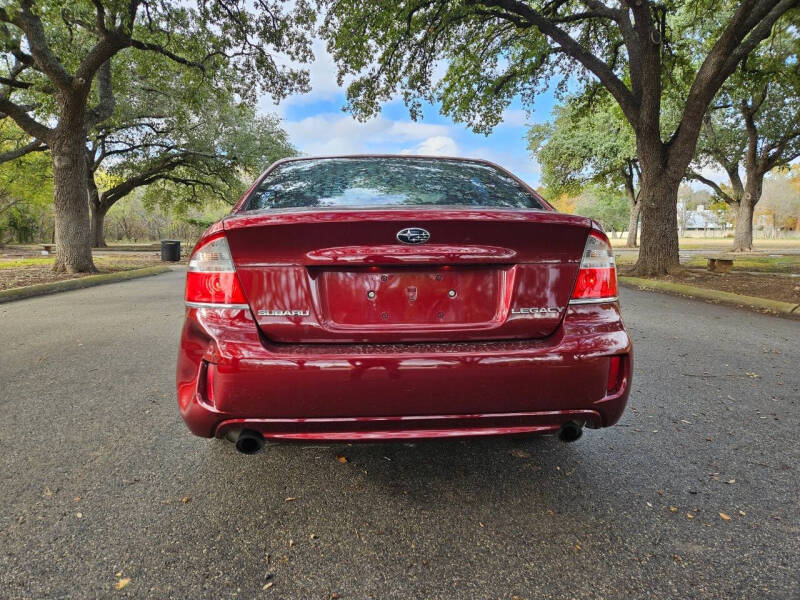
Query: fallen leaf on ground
(290, 499)
(341, 459)
(268, 585)
(519, 453)
(724, 517)
(122, 583)
(185, 499)
(752, 375)
(689, 515)
(673, 509)
(741, 512)
(731, 481)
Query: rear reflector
(614, 374)
(597, 278)
(212, 279)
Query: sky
(317, 126)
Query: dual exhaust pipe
(251, 442)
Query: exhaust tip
(249, 442)
(570, 432)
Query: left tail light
(211, 279)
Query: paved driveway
(100, 480)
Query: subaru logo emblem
(413, 235)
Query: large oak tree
(753, 127)
(496, 50)
(56, 73)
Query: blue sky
(317, 126)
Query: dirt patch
(30, 274)
(773, 287)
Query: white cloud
(327, 134)
(437, 145)
(514, 117)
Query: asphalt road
(101, 482)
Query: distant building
(700, 219)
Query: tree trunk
(98, 222)
(98, 213)
(743, 232)
(633, 223)
(73, 243)
(658, 198)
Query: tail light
(597, 278)
(211, 280)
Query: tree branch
(27, 123)
(34, 146)
(106, 100)
(570, 47)
(691, 174)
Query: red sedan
(399, 297)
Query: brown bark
(99, 211)
(634, 206)
(98, 235)
(743, 232)
(658, 197)
(73, 247)
(633, 224)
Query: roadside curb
(786, 309)
(41, 289)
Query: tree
(754, 127)
(194, 140)
(585, 146)
(781, 203)
(56, 82)
(500, 49)
(604, 205)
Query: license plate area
(413, 297)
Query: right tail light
(597, 277)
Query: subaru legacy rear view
(399, 297)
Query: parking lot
(694, 494)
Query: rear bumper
(231, 378)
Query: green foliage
(187, 142)
(583, 146)
(754, 123)
(26, 188)
(605, 206)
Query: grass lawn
(723, 244)
(20, 272)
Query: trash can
(170, 250)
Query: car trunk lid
(343, 275)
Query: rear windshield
(368, 182)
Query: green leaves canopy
(583, 145)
